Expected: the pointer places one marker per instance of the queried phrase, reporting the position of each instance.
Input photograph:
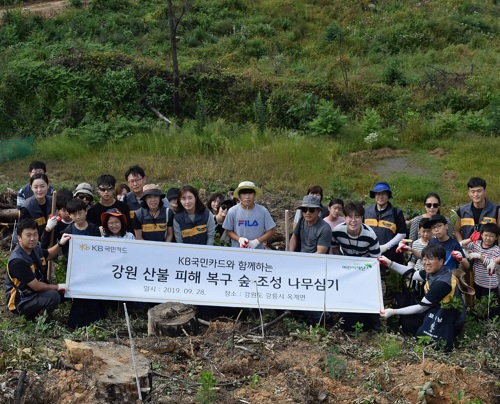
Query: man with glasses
(356, 239)
(442, 323)
(106, 191)
(312, 234)
(36, 167)
(136, 178)
(479, 211)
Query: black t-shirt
(95, 212)
(21, 270)
(476, 213)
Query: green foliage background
(287, 80)
(434, 63)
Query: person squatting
(433, 256)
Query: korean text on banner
(146, 271)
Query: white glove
(243, 242)
(491, 267)
(103, 232)
(457, 255)
(384, 248)
(64, 239)
(384, 261)
(474, 256)
(52, 223)
(61, 287)
(387, 313)
(253, 243)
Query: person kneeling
(442, 305)
(27, 290)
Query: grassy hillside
(282, 92)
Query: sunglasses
(310, 210)
(83, 197)
(432, 205)
(104, 189)
(224, 207)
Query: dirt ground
(45, 8)
(291, 363)
(278, 369)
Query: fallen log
(9, 215)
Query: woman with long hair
(194, 223)
(39, 206)
(432, 205)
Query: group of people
(426, 254)
(439, 254)
(47, 219)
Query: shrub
(333, 33)
(446, 123)
(371, 121)
(300, 112)
(159, 93)
(393, 75)
(476, 121)
(255, 48)
(329, 120)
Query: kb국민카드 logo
(84, 247)
(103, 248)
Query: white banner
(146, 271)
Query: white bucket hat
(247, 185)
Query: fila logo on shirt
(247, 223)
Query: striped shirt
(417, 245)
(364, 245)
(481, 276)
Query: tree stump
(109, 373)
(169, 319)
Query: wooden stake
(50, 265)
(287, 229)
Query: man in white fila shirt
(248, 224)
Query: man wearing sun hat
(312, 234)
(248, 224)
(85, 192)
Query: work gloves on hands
(384, 261)
(387, 313)
(253, 243)
(491, 267)
(402, 247)
(64, 239)
(475, 236)
(245, 243)
(457, 255)
(474, 256)
(52, 222)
